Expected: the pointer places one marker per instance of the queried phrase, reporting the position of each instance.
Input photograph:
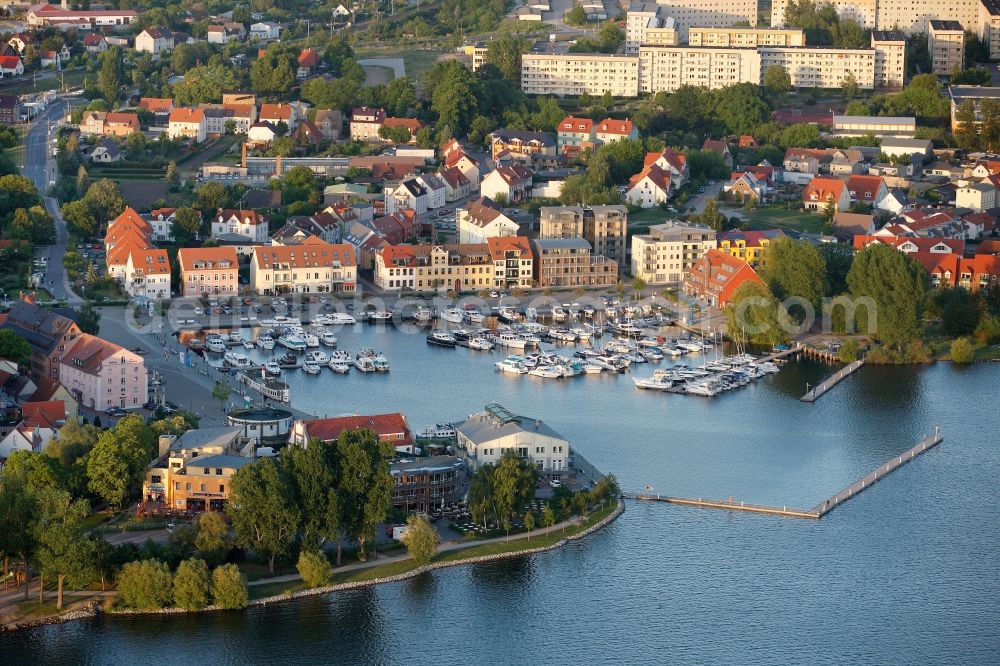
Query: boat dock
(817, 511)
(816, 392)
(782, 354)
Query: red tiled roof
(574, 124)
(957, 246)
(308, 58)
(389, 427)
(312, 252)
(156, 104)
(823, 189)
(864, 188)
(656, 175)
(88, 352)
(612, 126)
(48, 414)
(183, 115)
(411, 124)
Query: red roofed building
(308, 63)
(398, 227)
(100, 374)
(914, 244)
(147, 273)
(46, 14)
(869, 189)
(720, 147)
(574, 134)
(11, 65)
(456, 185)
(820, 191)
(672, 162)
(650, 187)
(411, 124)
(716, 276)
(981, 271)
(391, 428)
(609, 130)
(310, 267)
(187, 124)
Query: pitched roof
(574, 124)
(244, 216)
(151, 261)
(206, 258)
(482, 211)
(88, 352)
(309, 58)
(523, 136)
(500, 245)
(48, 414)
(454, 177)
(750, 238)
(312, 252)
(512, 173)
(823, 189)
(656, 175)
(9, 62)
(42, 328)
(278, 111)
(864, 187)
(677, 161)
(411, 124)
(184, 115)
(391, 427)
(612, 126)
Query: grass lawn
(639, 223)
(404, 566)
(762, 218)
(415, 62)
(72, 79)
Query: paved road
(698, 201)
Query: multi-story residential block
(977, 196)
(208, 270)
(604, 227)
(988, 28)
(972, 94)
(569, 262)
(716, 276)
(423, 484)
(890, 58)
(408, 194)
(500, 263)
(10, 109)
(187, 123)
(746, 38)
(483, 219)
(147, 274)
(821, 67)
(573, 74)
(749, 246)
(101, 374)
(154, 40)
(477, 52)
(365, 124)
(667, 252)
(711, 13)
(642, 17)
(456, 184)
(47, 332)
(946, 43)
(308, 268)
(484, 437)
(193, 471)
(667, 68)
(247, 223)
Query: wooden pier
(817, 511)
(815, 392)
(795, 349)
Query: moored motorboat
(441, 338)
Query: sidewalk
(445, 548)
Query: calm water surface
(906, 573)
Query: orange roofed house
(820, 191)
(101, 374)
(981, 271)
(208, 270)
(186, 123)
(310, 267)
(391, 428)
(716, 276)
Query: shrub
(213, 540)
(988, 330)
(421, 539)
(229, 587)
(849, 351)
(146, 585)
(314, 568)
(961, 351)
(192, 585)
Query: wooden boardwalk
(782, 354)
(817, 511)
(817, 391)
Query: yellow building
(746, 37)
(750, 246)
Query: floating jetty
(817, 511)
(816, 392)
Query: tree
(796, 269)
(513, 486)
(711, 217)
(421, 539)
(13, 347)
(576, 16)
(63, 550)
(82, 181)
(365, 485)
(262, 509)
(638, 285)
(580, 503)
(849, 351)
(801, 135)
(145, 585)
(18, 514)
(79, 219)
(314, 568)
(118, 461)
(229, 587)
(187, 225)
(896, 284)
(755, 315)
(455, 95)
(273, 72)
(548, 516)
(111, 78)
(105, 201)
(212, 539)
(17, 192)
(313, 471)
(967, 129)
(211, 196)
(38, 472)
(529, 523)
(88, 318)
(397, 134)
(173, 177)
(192, 585)
(221, 391)
(776, 78)
(961, 351)
(741, 107)
(505, 52)
(837, 258)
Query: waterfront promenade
(817, 511)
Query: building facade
(208, 270)
(946, 43)
(665, 254)
(311, 267)
(604, 227)
(484, 437)
(574, 74)
(570, 262)
(101, 374)
(716, 276)
(504, 262)
(667, 68)
(744, 38)
(47, 333)
(423, 484)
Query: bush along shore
(443, 560)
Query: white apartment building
(666, 253)
(910, 16)
(667, 68)
(890, 58)
(642, 17)
(484, 437)
(308, 268)
(821, 67)
(573, 74)
(988, 27)
(746, 38)
(946, 43)
(713, 13)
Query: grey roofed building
(217, 436)
(483, 439)
(42, 328)
(219, 461)
(496, 422)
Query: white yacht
(512, 365)
(328, 339)
(317, 357)
(364, 364)
(340, 356)
(311, 367)
(381, 362)
(248, 343)
(282, 320)
(423, 315)
(273, 369)
(562, 335)
(266, 342)
(592, 369)
(480, 344)
(340, 367)
(546, 372)
(237, 360)
(512, 340)
(453, 315)
(558, 313)
(657, 383)
(474, 316)
(310, 340)
(441, 338)
(379, 316)
(215, 344)
(341, 319)
(292, 341)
